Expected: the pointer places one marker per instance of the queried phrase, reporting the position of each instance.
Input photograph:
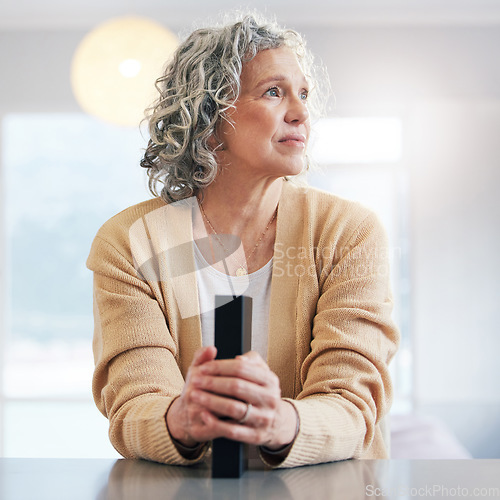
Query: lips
(293, 140)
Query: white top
(256, 285)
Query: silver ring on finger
(244, 418)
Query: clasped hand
(216, 396)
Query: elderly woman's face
(271, 119)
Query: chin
(288, 169)
(296, 170)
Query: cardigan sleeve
(345, 383)
(136, 375)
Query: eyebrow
(274, 78)
(277, 78)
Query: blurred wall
(445, 84)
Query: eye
(304, 95)
(272, 92)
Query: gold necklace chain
(241, 271)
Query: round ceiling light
(116, 65)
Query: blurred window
(64, 175)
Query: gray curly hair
(199, 85)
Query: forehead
(268, 63)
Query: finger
(219, 405)
(209, 427)
(252, 356)
(204, 355)
(238, 389)
(203, 426)
(257, 373)
(232, 430)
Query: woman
(229, 129)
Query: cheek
(260, 126)
(308, 132)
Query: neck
(249, 214)
(241, 210)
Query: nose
(297, 111)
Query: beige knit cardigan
(331, 336)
